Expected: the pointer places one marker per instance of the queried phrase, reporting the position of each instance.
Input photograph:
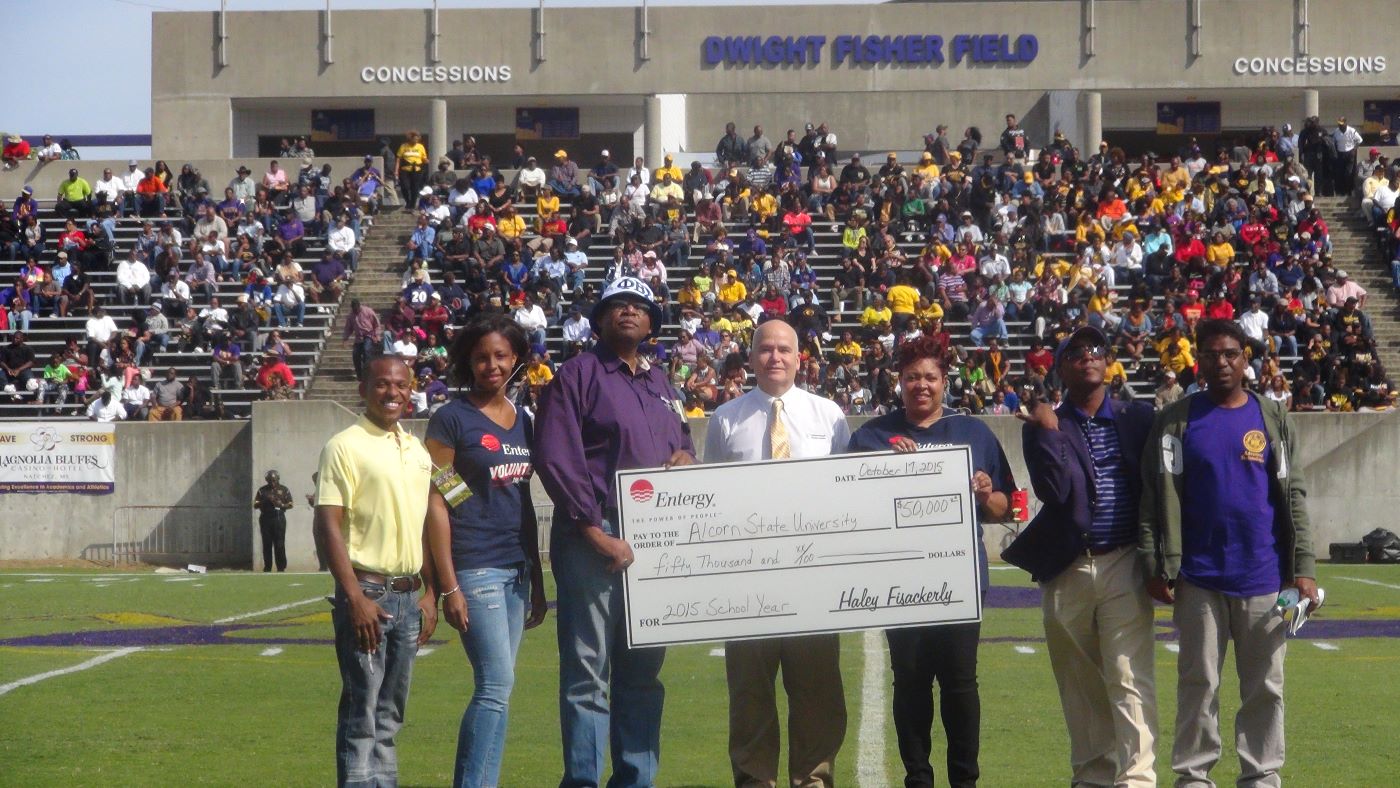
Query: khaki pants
(1099, 632)
(816, 709)
(164, 413)
(1208, 621)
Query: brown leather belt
(399, 584)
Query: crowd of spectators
(1042, 241)
(190, 242)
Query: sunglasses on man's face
(1085, 351)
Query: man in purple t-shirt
(606, 410)
(1224, 529)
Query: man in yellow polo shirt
(74, 196)
(371, 502)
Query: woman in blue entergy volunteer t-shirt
(948, 653)
(482, 532)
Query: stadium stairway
(1356, 251)
(376, 284)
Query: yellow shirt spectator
(381, 479)
(733, 291)
(1182, 360)
(850, 237)
(1058, 265)
(1100, 304)
(671, 169)
(927, 170)
(933, 311)
(765, 205)
(1221, 254)
(74, 190)
(510, 226)
(741, 328)
(1114, 371)
(872, 317)
(1179, 179)
(412, 156)
(902, 299)
(547, 203)
(538, 374)
(851, 349)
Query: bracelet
(454, 590)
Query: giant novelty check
(795, 547)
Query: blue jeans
(996, 328)
(610, 696)
(564, 189)
(496, 601)
(279, 313)
(374, 688)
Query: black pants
(410, 183)
(274, 537)
(1344, 172)
(947, 654)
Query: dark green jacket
(1164, 485)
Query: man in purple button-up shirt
(605, 411)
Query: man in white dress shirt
(776, 421)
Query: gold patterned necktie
(779, 448)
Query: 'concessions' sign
(1331, 64)
(410, 74)
(78, 457)
(931, 50)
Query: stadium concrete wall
(191, 485)
(182, 492)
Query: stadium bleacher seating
(48, 334)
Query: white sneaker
(10, 388)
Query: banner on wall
(64, 457)
(1188, 117)
(546, 123)
(342, 125)
(1379, 115)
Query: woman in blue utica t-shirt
(947, 653)
(482, 532)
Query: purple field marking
(1003, 597)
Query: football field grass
(137, 678)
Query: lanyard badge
(454, 490)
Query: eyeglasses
(1231, 356)
(1079, 352)
(628, 304)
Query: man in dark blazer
(1084, 459)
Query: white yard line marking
(178, 579)
(293, 585)
(81, 666)
(1174, 648)
(1391, 586)
(276, 609)
(1024, 650)
(1327, 646)
(717, 652)
(425, 651)
(870, 756)
(270, 652)
(39, 580)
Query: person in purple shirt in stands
(292, 232)
(606, 410)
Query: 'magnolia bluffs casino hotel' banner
(76, 457)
